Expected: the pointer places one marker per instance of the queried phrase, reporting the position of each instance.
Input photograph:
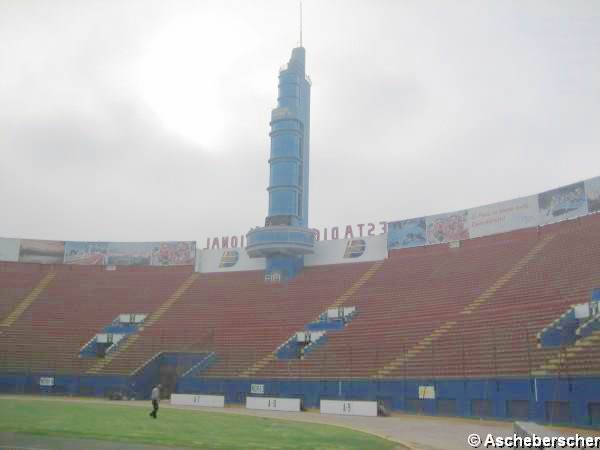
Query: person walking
(155, 397)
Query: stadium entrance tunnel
(166, 369)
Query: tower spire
(300, 24)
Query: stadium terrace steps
(441, 331)
(407, 301)
(413, 298)
(282, 311)
(79, 301)
(15, 284)
(225, 313)
(415, 291)
(259, 364)
(347, 294)
(28, 300)
(153, 318)
(356, 286)
(499, 338)
(156, 315)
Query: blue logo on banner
(229, 258)
(355, 248)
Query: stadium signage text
(325, 234)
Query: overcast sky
(142, 120)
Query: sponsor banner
(427, 392)
(407, 233)
(43, 252)
(592, 190)
(214, 401)
(86, 253)
(448, 227)
(562, 203)
(548, 207)
(151, 253)
(9, 249)
(227, 260)
(504, 216)
(349, 408)
(257, 388)
(355, 248)
(46, 381)
(348, 251)
(178, 253)
(273, 403)
(129, 254)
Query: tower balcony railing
(273, 240)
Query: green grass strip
(195, 429)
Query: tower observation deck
(286, 238)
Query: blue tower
(286, 238)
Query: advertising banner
(342, 251)
(448, 227)
(130, 253)
(504, 216)
(86, 253)
(181, 253)
(427, 392)
(9, 249)
(151, 253)
(46, 381)
(562, 203)
(43, 252)
(349, 407)
(592, 190)
(214, 401)
(273, 403)
(407, 233)
(227, 260)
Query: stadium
(489, 313)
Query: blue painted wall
(578, 392)
(64, 384)
(398, 394)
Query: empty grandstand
(486, 312)
(470, 320)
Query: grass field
(184, 428)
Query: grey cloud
(416, 109)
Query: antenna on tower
(300, 24)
